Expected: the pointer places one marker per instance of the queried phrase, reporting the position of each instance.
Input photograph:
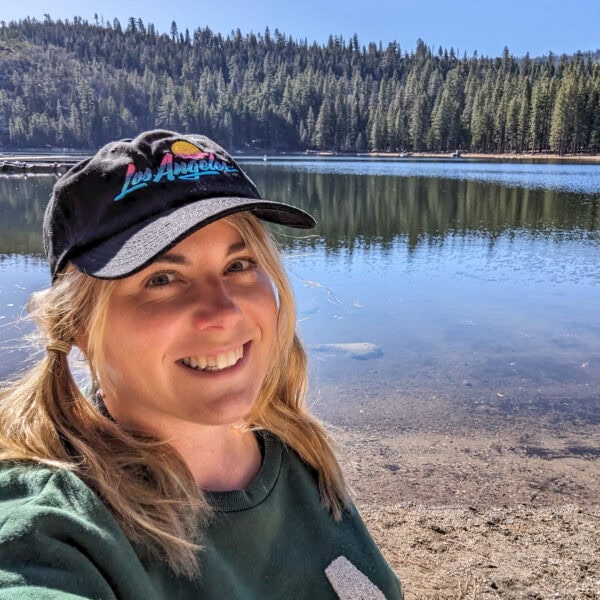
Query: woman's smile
(216, 362)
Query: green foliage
(78, 84)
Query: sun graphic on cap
(186, 150)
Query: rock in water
(358, 350)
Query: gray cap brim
(134, 248)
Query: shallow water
(464, 276)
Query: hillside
(79, 84)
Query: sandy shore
(461, 508)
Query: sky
(485, 26)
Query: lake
(474, 281)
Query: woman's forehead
(219, 236)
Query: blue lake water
(469, 279)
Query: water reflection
(22, 204)
(355, 209)
(361, 210)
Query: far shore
(32, 162)
(529, 156)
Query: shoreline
(15, 163)
(502, 157)
(480, 156)
(470, 509)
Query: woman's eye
(242, 264)
(160, 279)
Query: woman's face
(189, 338)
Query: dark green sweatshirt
(272, 540)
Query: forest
(78, 84)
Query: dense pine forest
(77, 84)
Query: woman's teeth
(214, 363)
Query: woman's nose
(214, 305)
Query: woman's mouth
(217, 362)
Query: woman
(191, 468)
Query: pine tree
(563, 116)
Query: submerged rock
(358, 350)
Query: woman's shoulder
(36, 484)
(56, 536)
(39, 496)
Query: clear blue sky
(534, 26)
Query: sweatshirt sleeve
(59, 542)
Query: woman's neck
(228, 459)
(220, 457)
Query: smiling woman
(191, 467)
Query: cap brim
(133, 249)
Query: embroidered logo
(349, 583)
(185, 162)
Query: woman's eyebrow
(173, 259)
(236, 247)
(179, 259)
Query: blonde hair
(45, 417)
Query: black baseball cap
(112, 214)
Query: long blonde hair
(45, 417)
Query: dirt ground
(478, 505)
